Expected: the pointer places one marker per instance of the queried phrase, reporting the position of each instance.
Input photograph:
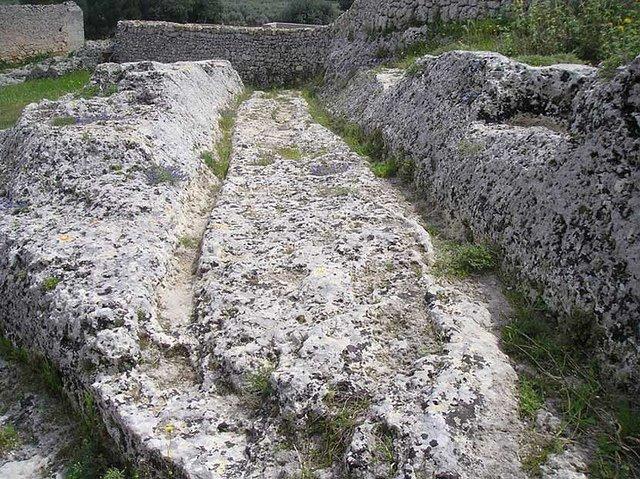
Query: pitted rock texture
(88, 57)
(91, 213)
(314, 278)
(311, 306)
(542, 162)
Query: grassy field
(14, 98)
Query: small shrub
(384, 169)
(50, 283)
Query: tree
(310, 11)
(345, 4)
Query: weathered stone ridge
(94, 197)
(262, 56)
(542, 162)
(30, 30)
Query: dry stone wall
(542, 162)
(262, 56)
(30, 30)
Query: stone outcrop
(263, 56)
(95, 196)
(310, 308)
(30, 30)
(542, 162)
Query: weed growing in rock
(50, 283)
(63, 121)
(158, 174)
(539, 454)
(333, 431)
(189, 242)
(258, 387)
(460, 260)
(566, 373)
(9, 438)
(290, 153)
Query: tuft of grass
(539, 455)
(64, 120)
(189, 242)
(460, 260)
(567, 374)
(9, 438)
(258, 389)
(159, 174)
(290, 153)
(50, 283)
(334, 430)
(13, 98)
(531, 397)
(385, 169)
(93, 91)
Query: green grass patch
(558, 351)
(63, 120)
(531, 397)
(290, 153)
(227, 122)
(539, 454)
(461, 260)
(13, 98)
(50, 283)
(9, 438)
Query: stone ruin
(217, 326)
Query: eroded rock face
(95, 196)
(308, 338)
(540, 161)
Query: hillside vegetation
(596, 32)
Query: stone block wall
(30, 30)
(262, 56)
